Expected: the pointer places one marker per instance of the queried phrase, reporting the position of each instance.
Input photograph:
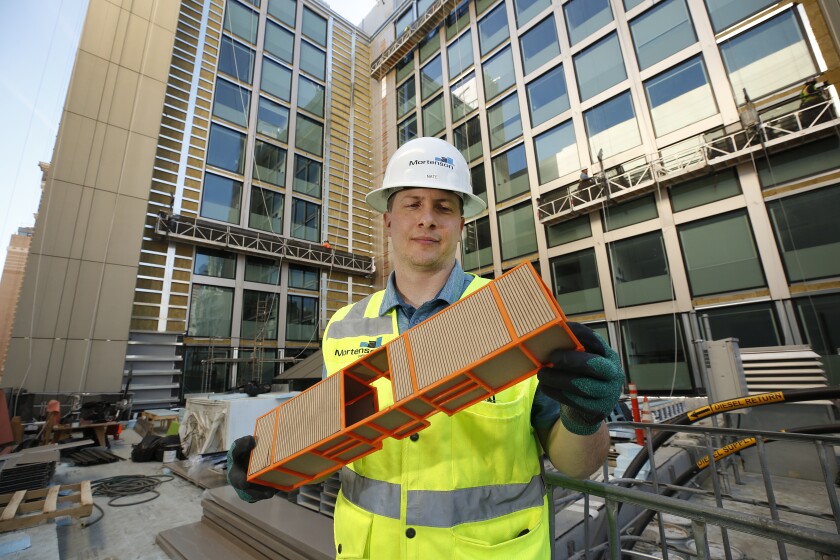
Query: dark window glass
(568, 231)
(273, 120)
(266, 210)
(230, 102)
(264, 271)
(654, 362)
(306, 220)
(220, 198)
(269, 163)
(304, 278)
(640, 270)
(259, 315)
(510, 174)
(236, 60)
(211, 308)
(819, 320)
(547, 96)
(307, 176)
(575, 280)
(208, 262)
(631, 212)
(753, 325)
(226, 149)
(301, 318)
(476, 246)
(516, 231)
(705, 189)
(280, 42)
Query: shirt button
(414, 437)
(410, 532)
(339, 548)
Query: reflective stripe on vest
(437, 508)
(355, 322)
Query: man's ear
(386, 221)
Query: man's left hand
(586, 384)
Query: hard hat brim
(378, 200)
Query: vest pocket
(521, 535)
(351, 530)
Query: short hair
(390, 203)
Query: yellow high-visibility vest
(469, 486)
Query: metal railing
(724, 151)
(629, 503)
(275, 246)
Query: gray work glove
(586, 384)
(238, 457)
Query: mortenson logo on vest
(443, 161)
(365, 347)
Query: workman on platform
(469, 485)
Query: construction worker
(469, 485)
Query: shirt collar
(450, 292)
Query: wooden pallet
(28, 508)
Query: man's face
(425, 227)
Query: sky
(39, 39)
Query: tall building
(10, 284)
(654, 160)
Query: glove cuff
(579, 422)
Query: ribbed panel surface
(467, 332)
(264, 434)
(400, 372)
(525, 301)
(310, 417)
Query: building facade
(10, 284)
(654, 160)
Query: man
(469, 485)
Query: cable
(117, 487)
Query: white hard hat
(430, 163)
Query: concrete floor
(124, 533)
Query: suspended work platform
(217, 236)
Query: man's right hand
(238, 457)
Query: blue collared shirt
(544, 412)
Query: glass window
(208, 262)
(405, 66)
(498, 73)
(407, 130)
(406, 98)
(259, 315)
(276, 79)
(211, 308)
(464, 95)
(493, 29)
(767, 57)
(264, 271)
(611, 126)
(266, 210)
(629, 213)
(433, 118)
(679, 97)
(539, 45)
(476, 246)
(459, 54)
(630, 4)
(661, 32)
(269, 163)
(724, 13)
(429, 45)
(230, 102)
(307, 176)
(273, 120)
(310, 96)
(314, 27)
(556, 152)
(236, 60)
(510, 174)
(404, 21)
(301, 318)
(516, 231)
(279, 42)
(599, 67)
(640, 270)
(808, 233)
(479, 182)
(458, 19)
(306, 220)
(481, 5)
(575, 281)
(705, 189)
(220, 198)
(654, 362)
(284, 10)
(241, 21)
(431, 78)
(753, 325)
(585, 17)
(713, 270)
(313, 60)
(304, 278)
(309, 135)
(548, 96)
(819, 319)
(259, 370)
(226, 149)
(504, 122)
(568, 231)
(526, 10)
(196, 378)
(468, 139)
(423, 5)
(797, 163)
